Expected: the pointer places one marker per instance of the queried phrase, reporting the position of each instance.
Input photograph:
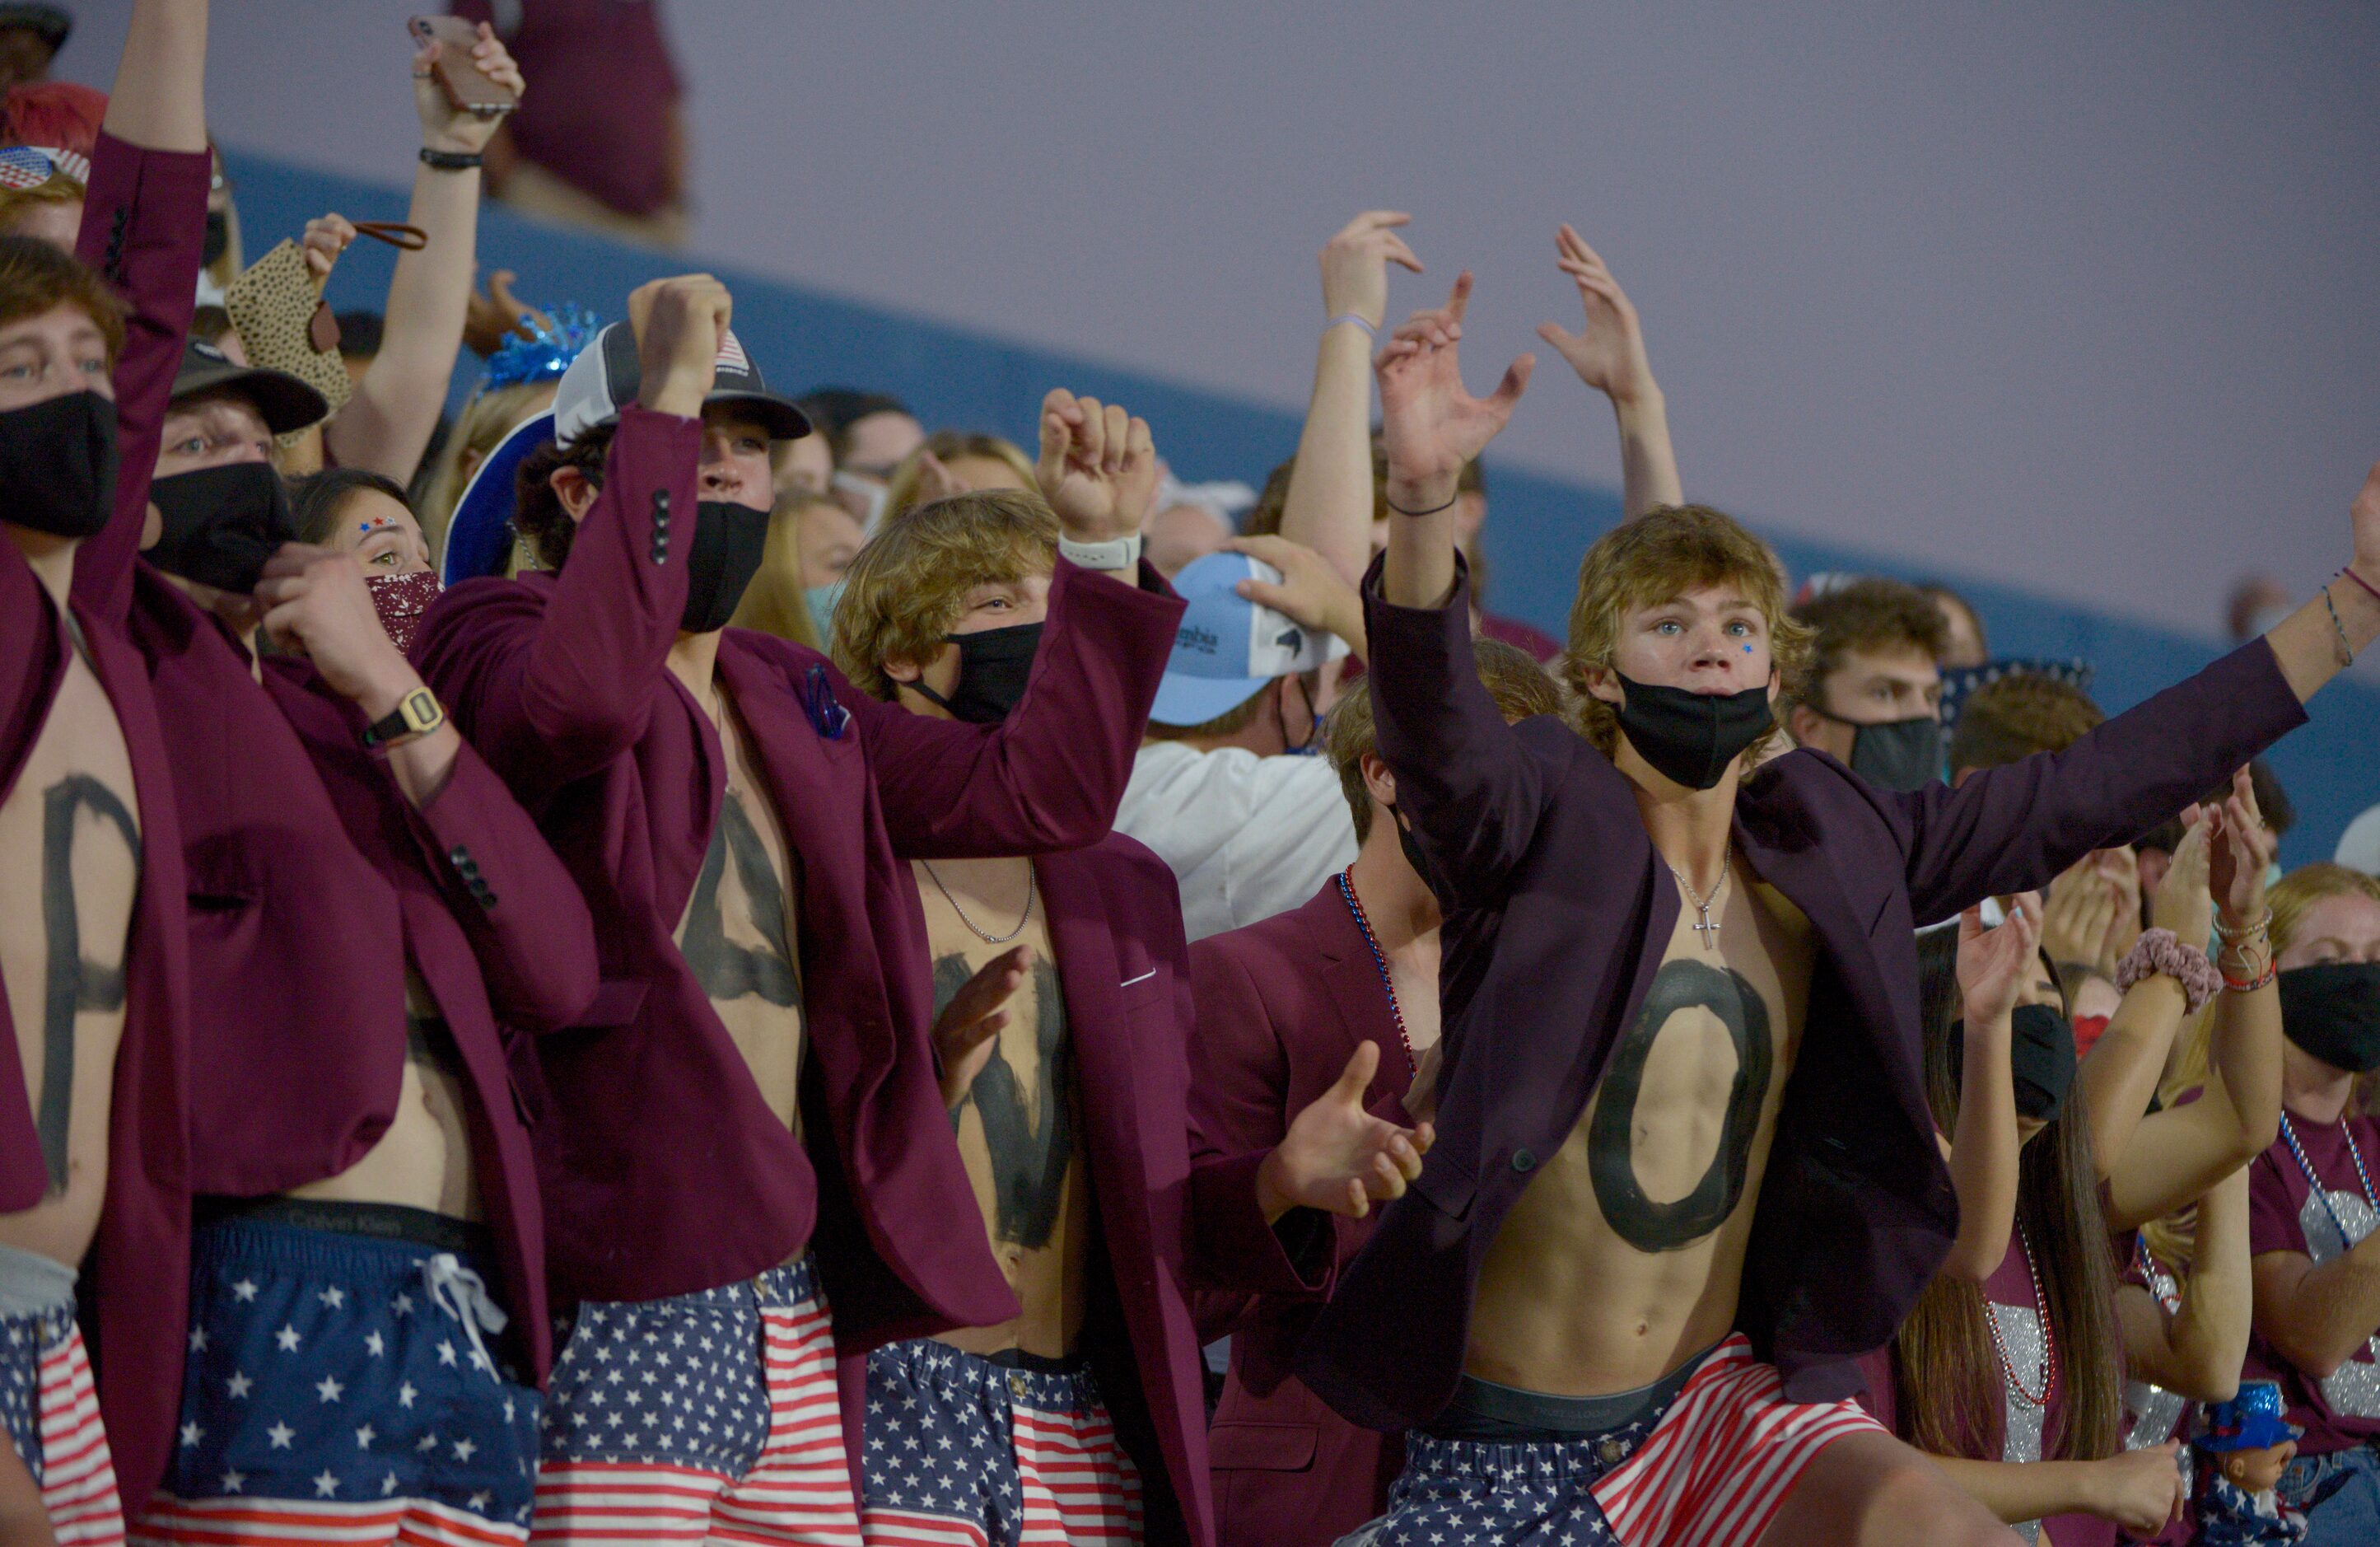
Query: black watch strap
(417, 714)
(451, 161)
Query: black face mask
(2332, 1012)
(1898, 754)
(220, 524)
(57, 465)
(218, 237)
(1406, 842)
(2041, 1058)
(1692, 737)
(726, 556)
(993, 665)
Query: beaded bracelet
(2345, 651)
(2250, 985)
(2163, 952)
(2246, 931)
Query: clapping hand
(2181, 902)
(967, 1026)
(1337, 1156)
(1098, 467)
(1355, 265)
(1994, 964)
(1430, 424)
(2239, 856)
(1608, 352)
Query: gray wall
(2080, 299)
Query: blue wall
(803, 339)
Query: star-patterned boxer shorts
(341, 1388)
(709, 1416)
(964, 1451)
(48, 1403)
(1708, 1470)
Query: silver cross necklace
(1702, 905)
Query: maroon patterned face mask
(400, 600)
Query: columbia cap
(1227, 646)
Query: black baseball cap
(285, 402)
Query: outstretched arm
(1609, 355)
(2321, 638)
(385, 426)
(1329, 507)
(144, 222)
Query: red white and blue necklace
(1380, 961)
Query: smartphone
(464, 85)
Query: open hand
(966, 1030)
(1994, 964)
(316, 603)
(1355, 265)
(445, 126)
(495, 314)
(2239, 855)
(1337, 1156)
(2122, 869)
(1609, 353)
(326, 237)
(2181, 902)
(1430, 424)
(1311, 594)
(2076, 914)
(1098, 467)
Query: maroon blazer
(1174, 1218)
(663, 1172)
(1282, 1004)
(1557, 911)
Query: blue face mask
(821, 602)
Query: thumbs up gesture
(1337, 1156)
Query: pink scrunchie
(2162, 951)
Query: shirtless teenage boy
(748, 1118)
(1659, 972)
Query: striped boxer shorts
(965, 1450)
(1705, 1463)
(705, 1416)
(48, 1402)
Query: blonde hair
(945, 446)
(2293, 896)
(486, 420)
(909, 584)
(58, 187)
(773, 603)
(1662, 554)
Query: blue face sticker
(1747, 649)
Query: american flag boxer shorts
(48, 1403)
(966, 1451)
(341, 1388)
(1708, 1470)
(710, 1416)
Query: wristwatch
(417, 714)
(1121, 552)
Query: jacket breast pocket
(1143, 983)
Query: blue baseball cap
(2252, 1420)
(480, 533)
(1228, 647)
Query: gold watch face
(421, 710)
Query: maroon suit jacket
(1282, 1006)
(1557, 911)
(663, 1171)
(144, 215)
(1170, 1223)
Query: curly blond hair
(1662, 554)
(909, 584)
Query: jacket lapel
(1351, 980)
(1090, 976)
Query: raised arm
(2198, 1351)
(1609, 355)
(2322, 638)
(1983, 1153)
(388, 422)
(1471, 789)
(2181, 1152)
(2118, 1079)
(144, 222)
(1329, 507)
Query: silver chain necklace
(1709, 931)
(981, 932)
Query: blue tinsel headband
(548, 350)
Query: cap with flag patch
(604, 380)
(24, 166)
(1227, 646)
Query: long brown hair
(1946, 1374)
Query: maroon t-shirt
(2285, 1216)
(2152, 1415)
(601, 91)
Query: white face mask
(870, 492)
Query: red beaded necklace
(2048, 1337)
(1379, 960)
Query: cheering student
(94, 1154)
(1282, 1004)
(1624, 904)
(747, 1119)
(1067, 1077)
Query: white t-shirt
(1246, 836)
